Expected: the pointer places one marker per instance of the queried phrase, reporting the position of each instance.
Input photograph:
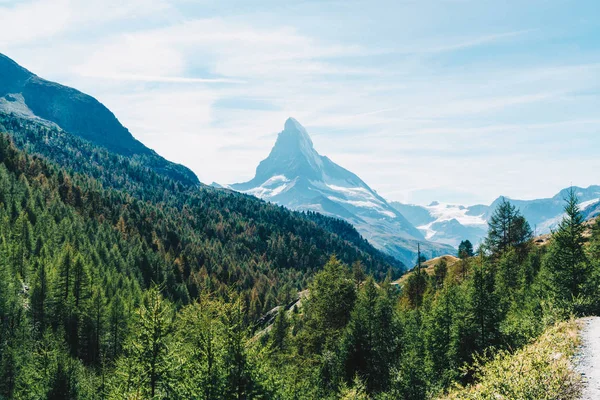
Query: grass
(429, 267)
(540, 370)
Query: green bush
(541, 370)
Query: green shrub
(540, 370)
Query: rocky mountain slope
(27, 96)
(296, 176)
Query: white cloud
(453, 44)
(395, 107)
(25, 22)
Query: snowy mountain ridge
(297, 176)
(452, 223)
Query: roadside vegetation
(540, 370)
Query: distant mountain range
(293, 175)
(450, 223)
(28, 96)
(296, 176)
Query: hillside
(253, 234)
(540, 370)
(88, 237)
(27, 96)
(428, 267)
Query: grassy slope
(540, 370)
(428, 267)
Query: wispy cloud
(159, 79)
(474, 41)
(412, 96)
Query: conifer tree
(201, 332)
(507, 228)
(369, 345)
(238, 368)
(279, 331)
(484, 305)
(465, 249)
(92, 327)
(437, 336)
(146, 370)
(39, 297)
(440, 270)
(117, 328)
(358, 273)
(23, 244)
(332, 296)
(567, 261)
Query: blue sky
(458, 101)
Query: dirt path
(588, 361)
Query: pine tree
(440, 270)
(146, 369)
(465, 249)
(358, 273)
(279, 331)
(332, 296)
(414, 288)
(80, 281)
(508, 273)
(567, 261)
(65, 272)
(92, 327)
(410, 381)
(238, 369)
(369, 345)
(438, 338)
(202, 334)
(117, 329)
(484, 305)
(507, 228)
(23, 244)
(39, 297)
(155, 323)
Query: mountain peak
(297, 176)
(292, 123)
(294, 134)
(293, 155)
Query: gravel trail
(588, 360)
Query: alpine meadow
(471, 272)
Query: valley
(122, 276)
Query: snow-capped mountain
(296, 176)
(446, 223)
(451, 223)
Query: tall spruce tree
(484, 306)
(332, 297)
(369, 342)
(567, 261)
